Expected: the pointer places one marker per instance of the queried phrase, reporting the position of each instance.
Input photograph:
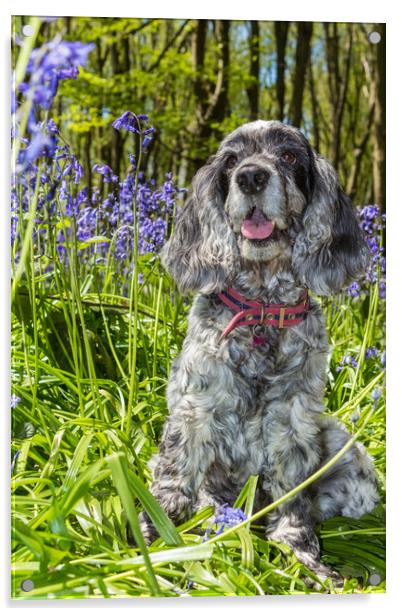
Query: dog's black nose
(252, 179)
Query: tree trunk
(281, 35)
(337, 83)
(304, 32)
(212, 100)
(315, 110)
(358, 153)
(379, 122)
(253, 90)
(198, 54)
(219, 103)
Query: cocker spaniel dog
(266, 223)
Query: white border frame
(292, 10)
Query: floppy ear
(201, 252)
(330, 251)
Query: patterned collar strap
(252, 312)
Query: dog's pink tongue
(257, 227)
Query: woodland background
(200, 79)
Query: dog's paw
(305, 545)
(148, 530)
(175, 504)
(323, 572)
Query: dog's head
(266, 197)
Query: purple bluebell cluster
(227, 516)
(61, 195)
(14, 401)
(137, 124)
(106, 172)
(372, 222)
(49, 64)
(376, 395)
(371, 353)
(130, 122)
(347, 360)
(98, 223)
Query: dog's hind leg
(349, 488)
(294, 451)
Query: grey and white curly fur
(237, 409)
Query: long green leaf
(118, 466)
(163, 524)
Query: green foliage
(80, 463)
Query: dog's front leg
(184, 456)
(292, 435)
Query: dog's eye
(289, 158)
(231, 161)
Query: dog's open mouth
(257, 227)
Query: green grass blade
(118, 466)
(163, 524)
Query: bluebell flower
(355, 416)
(368, 215)
(371, 352)
(373, 245)
(106, 172)
(13, 229)
(86, 223)
(77, 170)
(44, 178)
(95, 195)
(127, 121)
(347, 360)
(59, 55)
(41, 145)
(82, 196)
(14, 102)
(14, 460)
(147, 140)
(47, 65)
(354, 290)
(52, 191)
(376, 395)
(228, 516)
(14, 401)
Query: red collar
(252, 312)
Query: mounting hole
(374, 37)
(27, 585)
(374, 579)
(27, 30)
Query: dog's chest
(253, 353)
(240, 426)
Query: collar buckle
(281, 317)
